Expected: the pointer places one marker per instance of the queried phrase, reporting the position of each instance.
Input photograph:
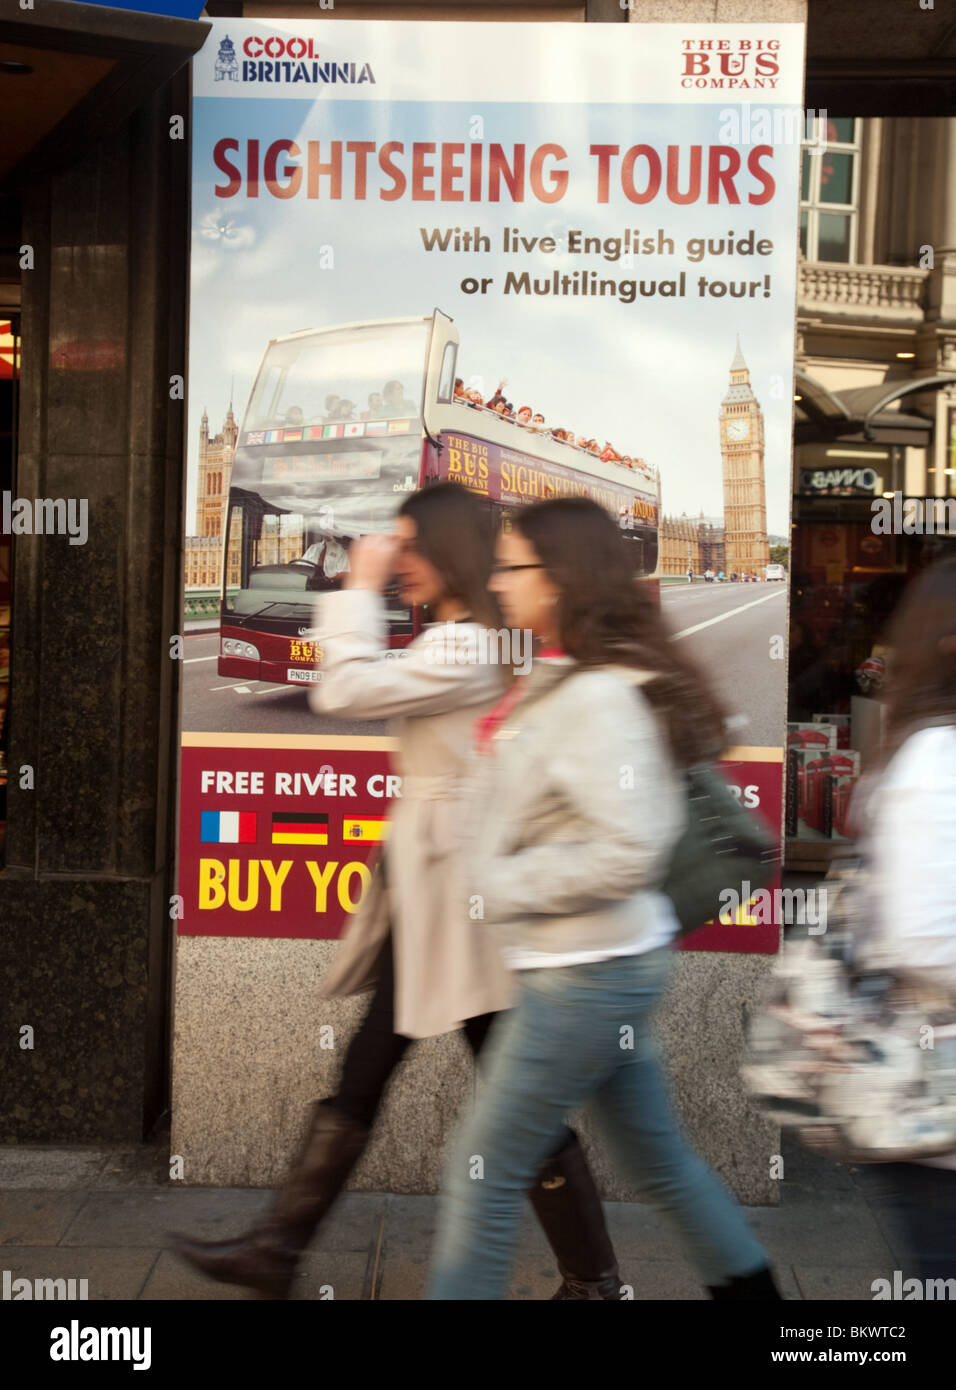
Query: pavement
(103, 1214)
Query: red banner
(280, 841)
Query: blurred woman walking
(907, 819)
(578, 804)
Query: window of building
(830, 193)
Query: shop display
(840, 722)
(821, 773)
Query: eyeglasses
(503, 569)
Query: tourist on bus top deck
(527, 419)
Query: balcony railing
(836, 288)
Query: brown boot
(569, 1210)
(266, 1257)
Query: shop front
(871, 482)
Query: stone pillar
(85, 949)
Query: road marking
(270, 689)
(190, 659)
(686, 632)
(243, 688)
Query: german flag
(299, 828)
(364, 828)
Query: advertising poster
(391, 224)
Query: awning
(862, 412)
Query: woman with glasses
(578, 803)
(412, 940)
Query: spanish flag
(299, 828)
(361, 828)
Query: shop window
(845, 584)
(830, 193)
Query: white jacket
(910, 831)
(574, 816)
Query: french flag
(228, 828)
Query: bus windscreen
(340, 376)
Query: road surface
(728, 629)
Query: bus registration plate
(296, 673)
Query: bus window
(340, 376)
(446, 380)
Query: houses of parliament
(203, 562)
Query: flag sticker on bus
(399, 426)
(299, 828)
(227, 828)
(377, 427)
(357, 428)
(364, 828)
(256, 437)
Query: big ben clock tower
(746, 547)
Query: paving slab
(117, 1273)
(839, 1284)
(48, 1167)
(145, 1217)
(38, 1218)
(799, 1232)
(342, 1272)
(405, 1271)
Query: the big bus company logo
(284, 58)
(730, 64)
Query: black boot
(569, 1209)
(266, 1257)
(759, 1285)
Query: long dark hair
(921, 677)
(455, 536)
(607, 616)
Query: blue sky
(649, 376)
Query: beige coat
(447, 967)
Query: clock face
(738, 429)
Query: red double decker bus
(341, 423)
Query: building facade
(203, 558)
(690, 544)
(875, 407)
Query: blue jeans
(578, 1035)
